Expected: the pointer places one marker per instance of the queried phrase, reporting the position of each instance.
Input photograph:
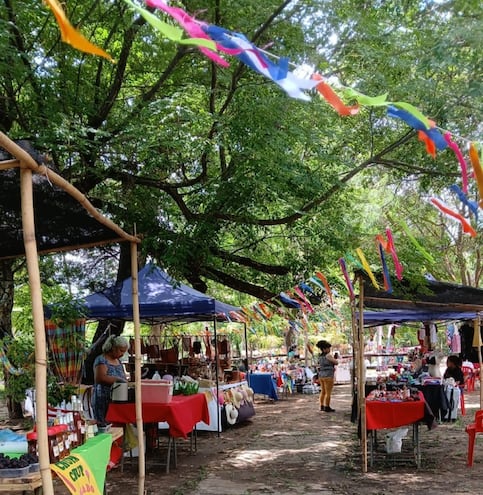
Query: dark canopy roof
(61, 222)
(430, 295)
(160, 299)
(388, 316)
(64, 218)
(431, 300)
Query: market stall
(52, 215)
(431, 302)
(393, 411)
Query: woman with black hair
(327, 364)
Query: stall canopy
(430, 301)
(430, 295)
(61, 221)
(161, 299)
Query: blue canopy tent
(161, 299)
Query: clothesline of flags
(211, 40)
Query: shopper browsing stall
(327, 364)
(107, 371)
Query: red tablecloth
(386, 414)
(182, 413)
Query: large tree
(225, 177)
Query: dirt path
(291, 447)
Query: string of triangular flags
(211, 40)
(298, 298)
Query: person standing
(327, 364)
(108, 370)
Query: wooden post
(28, 224)
(137, 366)
(361, 379)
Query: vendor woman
(107, 371)
(454, 370)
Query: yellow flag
(367, 268)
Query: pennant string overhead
(191, 26)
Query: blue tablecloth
(263, 383)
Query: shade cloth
(182, 413)
(161, 298)
(263, 383)
(387, 414)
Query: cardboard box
(157, 391)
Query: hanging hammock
(66, 349)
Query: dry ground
(290, 447)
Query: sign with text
(84, 470)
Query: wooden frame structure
(28, 167)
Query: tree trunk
(6, 297)
(107, 327)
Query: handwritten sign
(74, 471)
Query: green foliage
(228, 180)
(20, 353)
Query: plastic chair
(469, 376)
(472, 429)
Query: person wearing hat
(327, 364)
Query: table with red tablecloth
(182, 413)
(393, 413)
(382, 414)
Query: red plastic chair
(472, 429)
(469, 376)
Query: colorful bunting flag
(385, 270)
(321, 277)
(464, 169)
(472, 205)
(191, 26)
(428, 257)
(367, 268)
(346, 278)
(71, 35)
(392, 250)
(418, 124)
(251, 56)
(478, 170)
(467, 228)
(171, 32)
(333, 99)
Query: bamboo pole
(361, 377)
(28, 224)
(137, 366)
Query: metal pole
(137, 367)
